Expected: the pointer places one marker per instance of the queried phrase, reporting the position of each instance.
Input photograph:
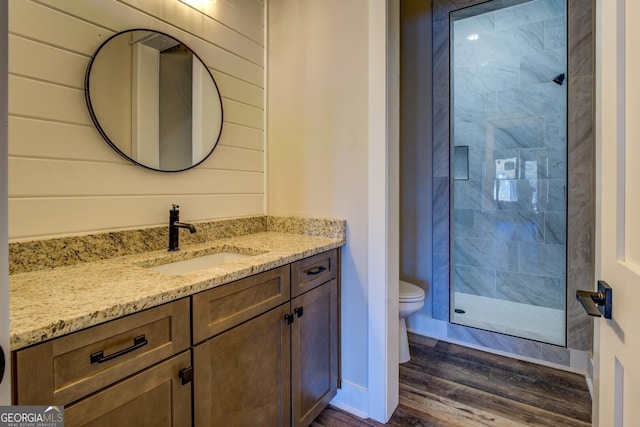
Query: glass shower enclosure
(509, 168)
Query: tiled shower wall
(510, 118)
(580, 207)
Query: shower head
(559, 79)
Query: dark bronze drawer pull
(315, 270)
(99, 357)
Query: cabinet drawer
(226, 306)
(65, 369)
(310, 272)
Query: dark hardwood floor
(449, 385)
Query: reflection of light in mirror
(198, 4)
(473, 37)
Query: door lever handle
(598, 303)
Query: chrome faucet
(174, 228)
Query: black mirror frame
(102, 131)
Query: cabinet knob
(289, 318)
(299, 311)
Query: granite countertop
(49, 303)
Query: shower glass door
(509, 168)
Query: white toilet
(411, 300)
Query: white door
(617, 340)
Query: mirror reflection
(153, 100)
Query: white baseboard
(427, 326)
(590, 375)
(352, 398)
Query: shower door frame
(581, 208)
(468, 13)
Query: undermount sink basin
(199, 263)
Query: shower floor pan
(512, 318)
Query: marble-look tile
(496, 341)
(542, 67)
(523, 132)
(478, 24)
(555, 354)
(473, 195)
(474, 280)
(513, 42)
(463, 134)
(514, 225)
(579, 324)
(440, 214)
(441, 146)
(535, 100)
(463, 223)
(581, 137)
(542, 259)
(441, 58)
(477, 166)
(581, 226)
(581, 38)
(542, 291)
(533, 11)
(517, 195)
(487, 75)
(555, 130)
(548, 163)
(555, 228)
(555, 33)
(486, 253)
(474, 108)
(440, 286)
(552, 196)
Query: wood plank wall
(65, 179)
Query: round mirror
(153, 100)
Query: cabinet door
(241, 377)
(314, 352)
(154, 397)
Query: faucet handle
(174, 207)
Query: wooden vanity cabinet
(264, 352)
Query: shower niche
(508, 151)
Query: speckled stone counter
(48, 303)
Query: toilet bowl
(411, 300)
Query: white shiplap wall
(64, 179)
